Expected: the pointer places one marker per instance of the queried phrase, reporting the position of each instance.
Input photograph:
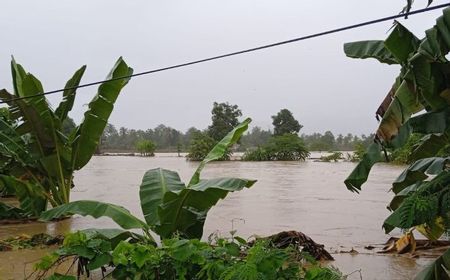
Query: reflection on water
(303, 196)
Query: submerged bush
(284, 147)
(200, 146)
(146, 148)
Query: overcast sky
(324, 89)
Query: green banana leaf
(96, 209)
(402, 107)
(437, 270)
(113, 235)
(96, 117)
(401, 43)
(12, 145)
(361, 172)
(37, 113)
(32, 198)
(370, 49)
(11, 212)
(219, 150)
(155, 184)
(429, 146)
(185, 212)
(421, 205)
(431, 122)
(31, 119)
(69, 94)
(419, 171)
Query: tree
(287, 147)
(146, 147)
(224, 118)
(200, 146)
(256, 138)
(284, 122)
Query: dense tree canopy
(284, 122)
(224, 119)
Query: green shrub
(223, 259)
(287, 147)
(200, 146)
(146, 148)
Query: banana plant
(169, 206)
(37, 159)
(418, 102)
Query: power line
(240, 52)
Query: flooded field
(305, 196)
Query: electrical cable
(239, 52)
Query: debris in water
(299, 239)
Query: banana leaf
(429, 146)
(401, 43)
(219, 150)
(361, 172)
(419, 171)
(96, 209)
(87, 135)
(32, 198)
(155, 184)
(421, 205)
(431, 122)
(370, 49)
(437, 270)
(185, 212)
(69, 94)
(113, 235)
(11, 212)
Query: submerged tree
(285, 144)
(37, 156)
(146, 147)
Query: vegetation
(146, 148)
(283, 147)
(201, 144)
(286, 146)
(38, 152)
(130, 257)
(285, 123)
(336, 156)
(124, 140)
(224, 118)
(422, 190)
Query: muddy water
(304, 196)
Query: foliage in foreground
(37, 159)
(123, 256)
(169, 206)
(422, 191)
(284, 147)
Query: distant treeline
(168, 139)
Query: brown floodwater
(304, 196)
